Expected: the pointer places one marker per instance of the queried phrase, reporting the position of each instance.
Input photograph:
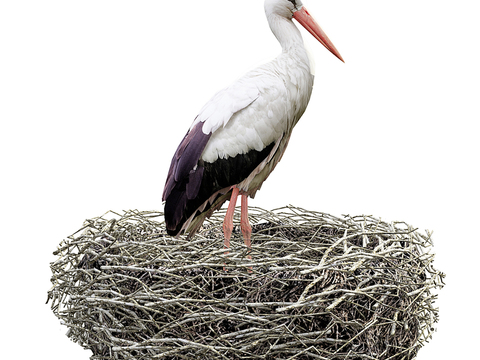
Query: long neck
(288, 36)
(293, 65)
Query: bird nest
(316, 287)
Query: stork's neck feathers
(289, 37)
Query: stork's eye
(296, 3)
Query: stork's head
(295, 9)
(284, 8)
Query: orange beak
(309, 23)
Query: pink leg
(244, 223)
(228, 222)
(245, 226)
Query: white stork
(240, 135)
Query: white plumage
(266, 102)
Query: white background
(96, 95)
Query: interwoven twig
(320, 287)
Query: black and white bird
(240, 135)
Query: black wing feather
(184, 177)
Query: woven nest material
(316, 287)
